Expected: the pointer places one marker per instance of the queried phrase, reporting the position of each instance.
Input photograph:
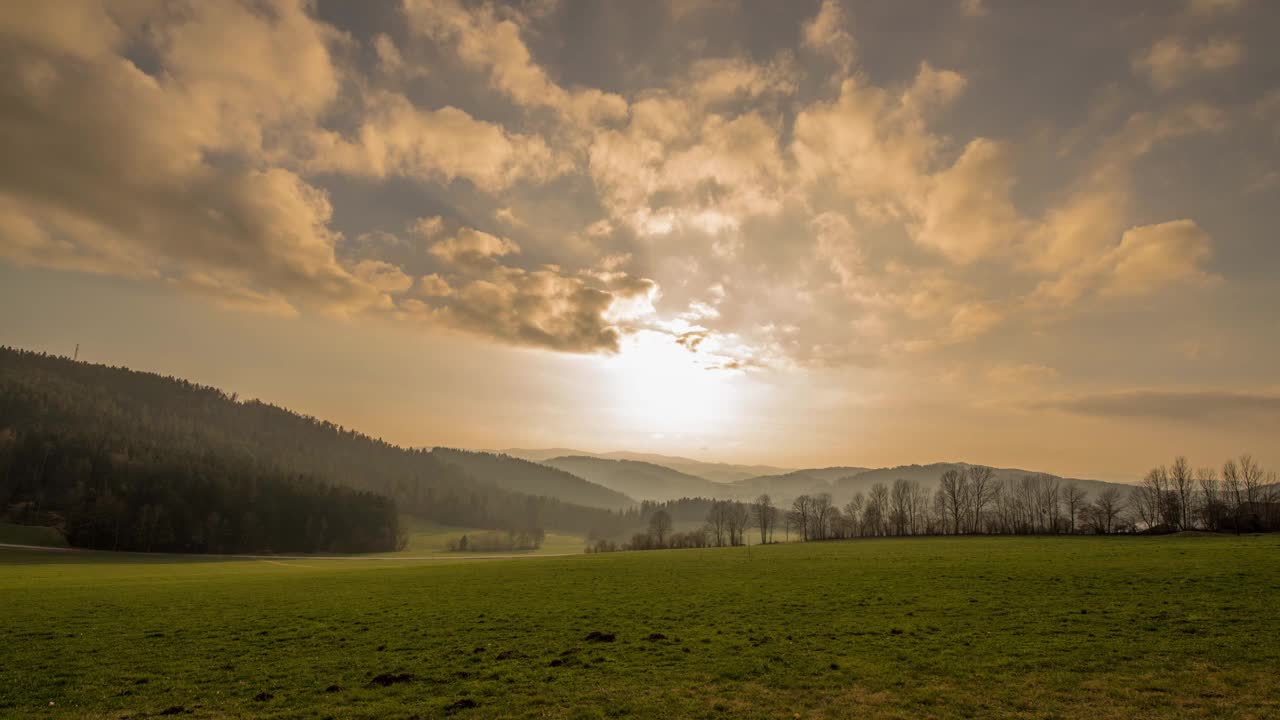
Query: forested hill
(134, 460)
(521, 475)
(641, 480)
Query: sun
(660, 387)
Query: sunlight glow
(660, 387)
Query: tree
(955, 493)
(1210, 498)
(1234, 491)
(1182, 485)
(801, 515)
(660, 526)
(1107, 507)
(900, 506)
(1152, 499)
(718, 521)
(820, 515)
(1073, 496)
(1251, 475)
(875, 517)
(739, 521)
(853, 514)
(981, 490)
(765, 516)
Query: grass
(31, 535)
(429, 539)
(1095, 628)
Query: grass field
(31, 535)
(430, 539)
(1094, 628)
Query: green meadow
(1118, 627)
(431, 539)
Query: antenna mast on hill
(77, 355)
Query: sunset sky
(1034, 234)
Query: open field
(430, 539)
(11, 534)
(1093, 628)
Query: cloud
(540, 308)
(485, 41)
(1214, 7)
(433, 286)
(472, 246)
(1172, 62)
(1080, 242)
(672, 168)
(826, 34)
(383, 275)
(1025, 374)
(875, 146)
(792, 212)
(1153, 256)
(974, 320)
(968, 213)
(427, 228)
(1147, 259)
(396, 138)
(837, 243)
(1195, 405)
(720, 80)
(109, 169)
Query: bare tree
(1182, 484)
(918, 508)
(955, 491)
(1107, 507)
(1044, 498)
(739, 523)
(765, 513)
(801, 515)
(853, 513)
(981, 491)
(660, 526)
(1210, 498)
(820, 516)
(718, 521)
(900, 506)
(1233, 491)
(875, 517)
(940, 515)
(1251, 478)
(1073, 496)
(1151, 498)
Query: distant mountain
(640, 480)
(531, 478)
(715, 472)
(782, 485)
(539, 454)
(787, 486)
(928, 475)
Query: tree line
(971, 501)
(498, 541)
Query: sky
(802, 233)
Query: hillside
(531, 478)
(640, 480)
(715, 472)
(928, 475)
(76, 439)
